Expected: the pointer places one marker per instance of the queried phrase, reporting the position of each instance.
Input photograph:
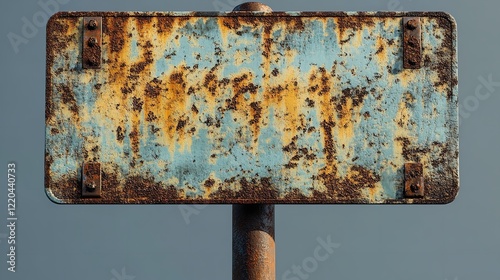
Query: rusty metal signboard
(242, 107)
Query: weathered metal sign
(251, 108)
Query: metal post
(253, 225)
(254, 254)
(253, 242)
(252, 6)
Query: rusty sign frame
(335, 168)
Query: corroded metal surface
(251, 108)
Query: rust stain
(153, 88)
(165, 25)
(56, 28)
(211, 83)
(213, 88)
(114, 28)
(254, 189)
(348, 110)
(347, 27)
(412, 152)
(120, 134)
(68, 98)
(442, 66)
(359, 178)
(139, 70)
(254, 107)
(143, 188)
(227, 25)
(116, 103)
(256, 112)
(172, 106)
(381, 53)
(322, 89)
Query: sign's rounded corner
(52, 197)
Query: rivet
(412, 61)
(91, 187)
(92, 24)
(414, 181)
(412, 24)
(92, 61)
(91, 179)
(92, 42)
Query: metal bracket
(92, 42)
(414, 180)
(91, 179)
(412, 43)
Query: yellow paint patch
(403, 115)
(291, 103)
(374, 194)
(398, 152)
(346, 124)
(172, 181)
(381, 53)
(73, 26)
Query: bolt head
(91, 187)
(92, 24)
(412, 24)
(92, 62)
(414, 188)
(412, 61)
(92, 42)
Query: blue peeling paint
(134, 50)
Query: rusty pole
(253, 242)
(252, 6)
(254, 254)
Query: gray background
(455, 241)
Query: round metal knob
(252, 6)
